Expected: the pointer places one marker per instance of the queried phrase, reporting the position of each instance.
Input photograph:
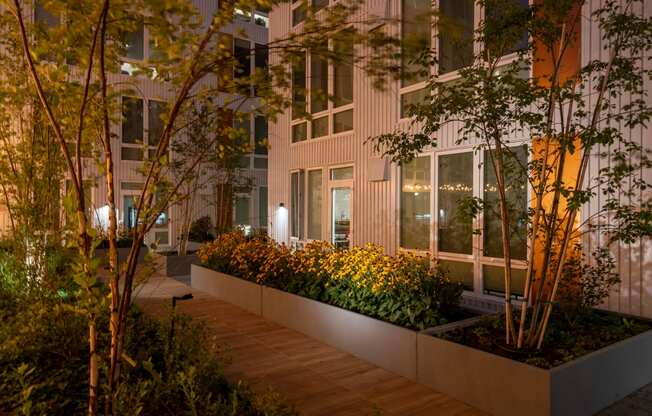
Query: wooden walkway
(317, 378)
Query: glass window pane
(129, 211)
(43, 16)
(131, 186)
(242, 216)
(242, 55)
(155, 112)
(298, 15)
(412, 98)
(502, 17)
(319, 4)
(458, 271)
(343, 121)
(493, 278)
(225, 79)
(260, 135)
(262, 207)
(415, 204)
(132, 120)
(161, 237)
(343, 72)
(296, 204)
(314, 204)
(260, 163)
(415, 38)
(320, 127)
(516, 192)
(131, 153)
(455, 174)
(261, 56)
(299, 88)
(341, 217)
(318, 83)
(455, 34)
(299, 132)
(342, 173)
(134, 44)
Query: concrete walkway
(317, 378)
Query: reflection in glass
(415, 204)
(455, 174)
(341, 217)
(314, 204)
(516, 194)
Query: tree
(571, 117)
(66, 69)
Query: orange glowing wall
(543, 65)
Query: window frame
(144, 146)
(330, 111)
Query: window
(133, 130)
(262, 207)
(516, 192)
(455, 183)
(132, 120)
(318, 5)
(131, 186)
(415, 204)
(339, 174)
(260, 135)
(44, 16)
(296, 204)
(314, 204)
(242, 214)
(299, 132)
(260, 163)
(155, 112)
(298, 13)
(320, 127)
(412, 98)
(455, 32)
(299, 88)
(415, 39)
(493, 278)
(134, 43)
(507, 19)
(343, 72)
(261, 19)
(225, 78)
(261, 60)
(343, 121)
(129, 206)
(318, 82)
(458, 271)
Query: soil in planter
(567, 338)
(168, 253)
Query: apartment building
(325, 183)
(140, 125)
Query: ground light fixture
(187, 296)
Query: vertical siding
(634, 261)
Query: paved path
(317, 378)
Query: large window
(135, 43)
(455, 33)
(242, 210)
(415, 204)
(515, 160)
(330, 104)
(133, 127)
(318, 81)
(415, 38)
(314, 204)
(455, 184)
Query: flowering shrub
(405, 289)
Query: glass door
(341, 217)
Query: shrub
(201, 230)
(44, 356)
(405, 290)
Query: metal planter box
(502, 386)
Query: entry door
(341, 213)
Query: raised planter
(386, 345)
(230, 289)
(502, 386)
(175, 265)
(123, 254)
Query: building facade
(137, 129)
(325, 183)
